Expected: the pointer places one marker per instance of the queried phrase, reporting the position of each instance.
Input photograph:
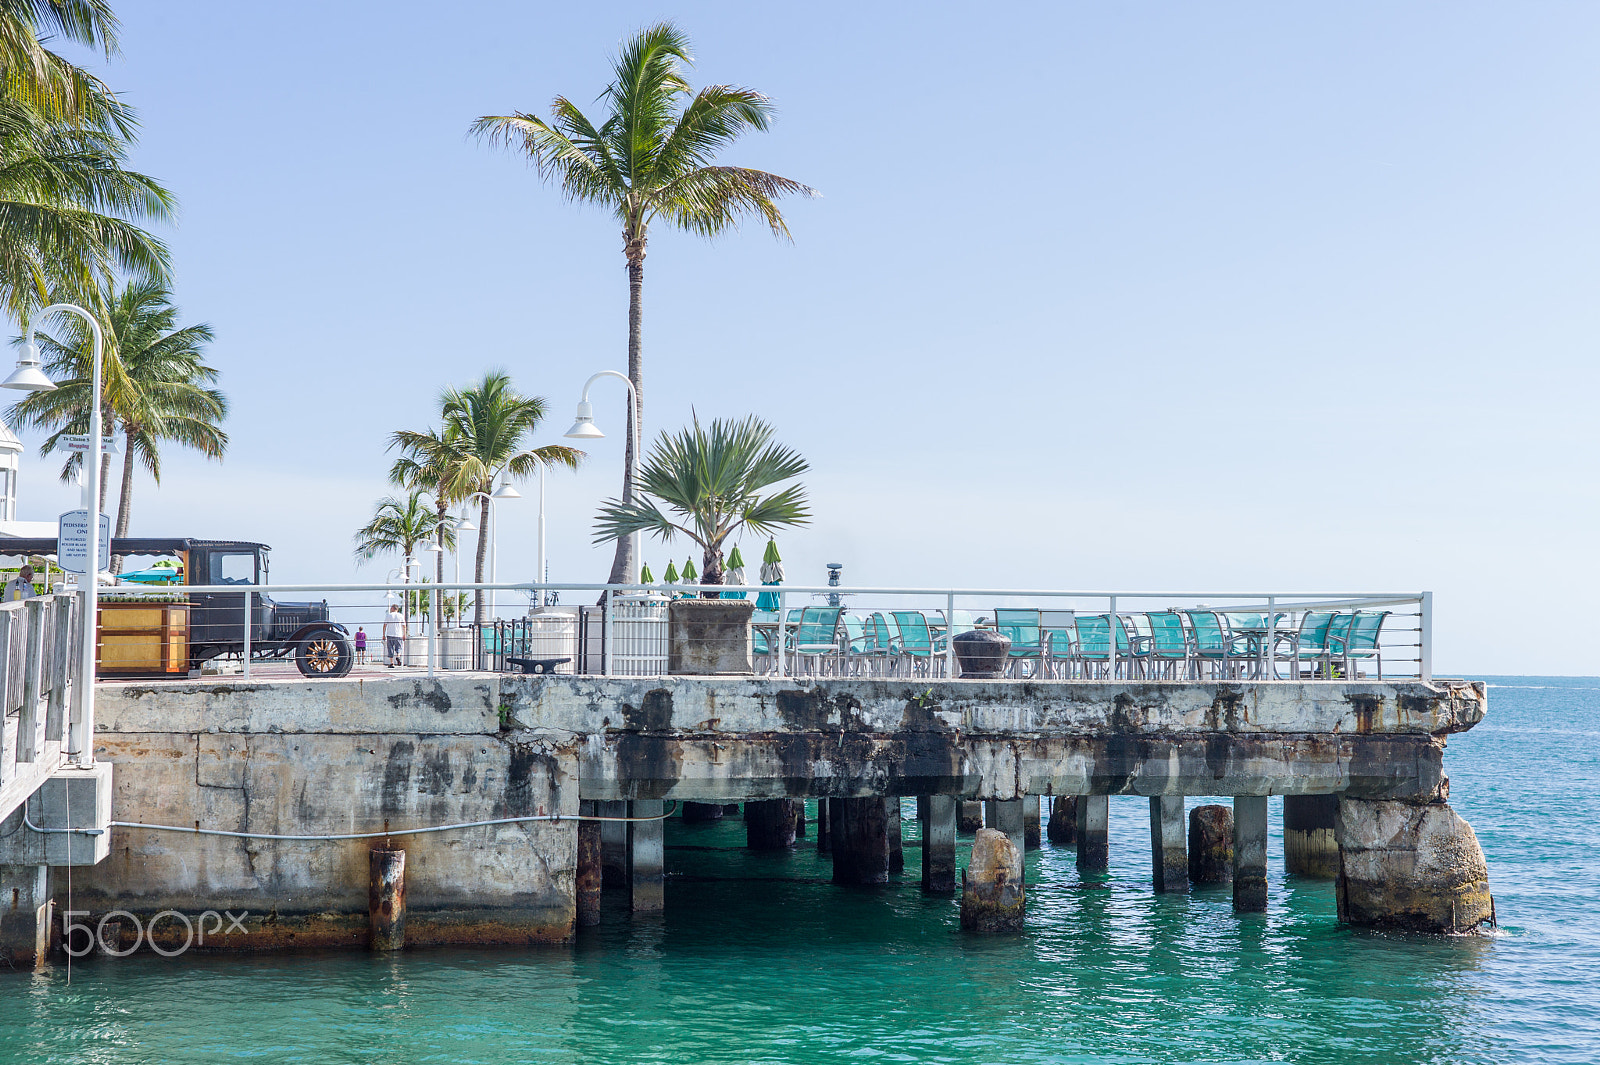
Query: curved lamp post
(584, 428)
(507, 491)
(28, 377)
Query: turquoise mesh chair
(855, 637)
(1169, 647)
(883, 642)
(1215, 645)
(917, 643)
(1308, 643)
(1055, 630)
(1359, 642)
(1092, 648)
(1023, 628)
(816, 641)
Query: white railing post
(1111, 640)
(783, 638)
(1425, 665)
(950, 636)
(1272, 638)
(246, 653)
(607, 629)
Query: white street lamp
(584, 428)
(28, 377)
(508, 491)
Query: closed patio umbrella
(771, 573)
(645, 576)
(735, 573)
(671, 576)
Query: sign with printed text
(72, 542)
(79, 442)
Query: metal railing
(625, 632)
(37, 639)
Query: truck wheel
(324, 653)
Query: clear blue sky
(1130, 296)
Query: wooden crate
(142, 639)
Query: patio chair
(883, 642)
(1023, 628)
(1359, 642)
(816, 641)
(1215, 645)
(855, 643)
(1169, 644)
(1094, 642)
(917, 642)
(1055, 635)
(1308, 643)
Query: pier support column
(1031, 835)
(698, 813)
(1063, 827)
(1250, 853)
(993, 900)
(824, 826)
(1309, 846)
(769, 824)
(1094, 821)
(799, 819)
(588, 877)
(1007, 816)
(969, 816)
(860, 841)
(939, 844)
(891, 820)
(614, 844)
(1210, 845)
(25, 915)
(646, 857)
(1169, 859)
(386, 898)
(1416, 867)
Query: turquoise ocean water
(760, 959)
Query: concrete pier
(1169, 858)
(1063, 827)
(587, 879)
(1309, 845)
(699, 813)
(386, 898)
(1210, 844)
(1094, 822)
(25, 916)
(1410, 866)
(1007, 815)
(769, 824)
(969, 817)
(614, 844)
(646, 857)
(891, 820)
(993, 898)
(824, 827)
(1250, 853)
(1031, 835)
(860, 841)
(938, 844)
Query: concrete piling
(860, 841)
(938, 844)
(699, 813)
(614, 844)
(1210, 845)
(646, 857)
(1250, 853)
(993, 898)
(891, 821)
(970, 817)
(824, 826)
(1094, 821)
(1063, 828)
(588, 877)
(1411, 866)
(25, 915)
(386, 898)
(1031, 836)
(1309, 846)
(769, 824)
(799, 819)
(1007, 816)
(1169, 860)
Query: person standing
(361, 646)
(21, 586)
(394, 635)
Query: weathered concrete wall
(330, 758)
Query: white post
(607, 631)
(539, 574)
(1111, 641)
(1426, 664)
(783, 638)
(245, 655)
(950, 636)
(1272, 638)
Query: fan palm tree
(397, 527)
(156, 387)
(651, 156)
(710, 482)
(483, 433)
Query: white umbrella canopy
(734, 574)
(771, 573)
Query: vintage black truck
(213, 622)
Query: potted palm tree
(709, 483)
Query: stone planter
(982, 654)
(709, 637)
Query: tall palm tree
(710, 482)
(397, 527)
(427, 462)
(651, 156)
(156, 387)
(483, 427)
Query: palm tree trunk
(125, 502)
(480, 609)
(105, 477)
(711, 570)
(622, 564)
